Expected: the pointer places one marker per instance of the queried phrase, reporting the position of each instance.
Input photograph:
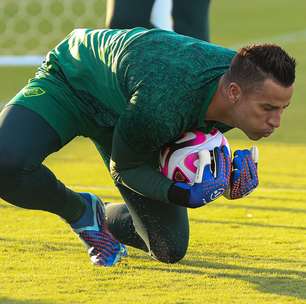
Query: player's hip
(66, 112)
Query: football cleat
(103, 248)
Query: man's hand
(244, 176)
(208, 186)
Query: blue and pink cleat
(103, 248)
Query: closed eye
(268, 107)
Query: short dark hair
(255, 63)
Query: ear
(234, 92)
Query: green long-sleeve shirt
(149, 86)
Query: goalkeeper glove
(208, 186)
(244, 176)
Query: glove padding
(244, 176)
(208, 186)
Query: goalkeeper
(131, 92)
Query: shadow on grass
(274, 281)
(247, 224)
(254, 270)
(14, 301)
(270, 280)
(237, 256)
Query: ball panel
(179, 161)
(179, 176)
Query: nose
(275, 119)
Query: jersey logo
(33, 91)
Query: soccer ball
(179, 161)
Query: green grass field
(246, 251)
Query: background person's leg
(25, 141)
(123, 14)
(191, 18)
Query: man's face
(258, 113)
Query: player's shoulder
(213, 49)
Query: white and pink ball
(179, 161)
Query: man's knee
(168, 252)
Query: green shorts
(61, 108)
